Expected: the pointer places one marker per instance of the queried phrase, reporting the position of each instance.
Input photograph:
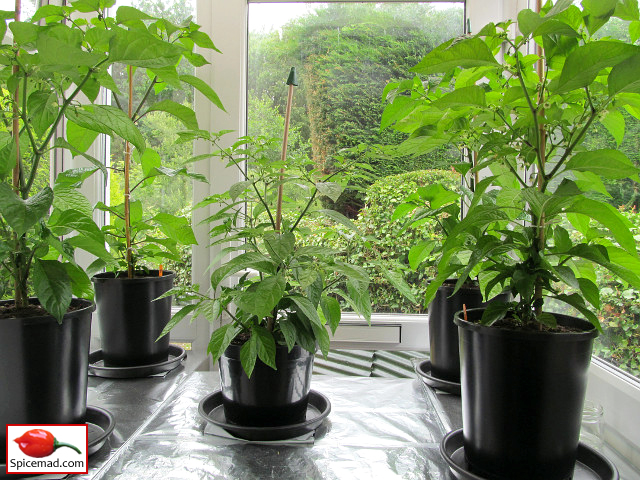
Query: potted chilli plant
(276, 314)
(444, 205)
(130, 321)
(524, 367)
(46, 65)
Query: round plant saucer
(424, 370)
(590, 464)
(98, 368)
(319, 406)
(101, 424)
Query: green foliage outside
(345, 55)
(383, 242)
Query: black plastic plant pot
(270, 397)
(43, 368)
(130, 320)
(443, 333)
(522, 397)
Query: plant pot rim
(111, 276)
(589, 331)
(86, 306)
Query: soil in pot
(522, 397)
(443, 333)
(43, 367)
(270, 397)
(130, 320)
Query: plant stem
(19, 277)
(542, 146)
(127, 191)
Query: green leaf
(339, 218)
(177, 318)
(80, 282)
(609, 217)
(176, 228)
(238, 189)
(79, 138)
(627, 10)
(330, 189)
(75, 221)
(583, 65)
(402, 210)
(66, 197)
(590, 292)
(47, 11)
(467, 53)
(141, 49)
(332, 311)
(625, 76)
(614, 122)
(561, 239)
(305, 307)
(62, 143)
(577, 302)
(288, 330)
(355, 272)
(149, 161)
(253, 260)
(462, 97)
(20, 214)
(53, 51)
(493, 312)
(634, 31)
(43, 107)
(125, 15)
(266, 345)
(183, 113)
(109, 120)
(528, 21)
(203, 88)
(612, 164)
(279, 246)
(396, 279)
(598, 13)
(24, 32)
(202, 40)
(261, 297)
(52, 286)
(249, 354)
(419, 253)
(221, 338)
(547, 319)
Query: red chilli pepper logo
(39, 443)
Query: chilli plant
(526, 117)
(285, 292)
(61, 53)
(136, 238)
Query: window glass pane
(620, 312)
(345, 54)
(173, 194)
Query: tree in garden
(345, 55)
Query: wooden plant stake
(292, 81)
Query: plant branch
(134, 117)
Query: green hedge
(384, 241)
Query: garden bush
(383, 244)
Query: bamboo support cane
(292, 81)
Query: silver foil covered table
(377, 429)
